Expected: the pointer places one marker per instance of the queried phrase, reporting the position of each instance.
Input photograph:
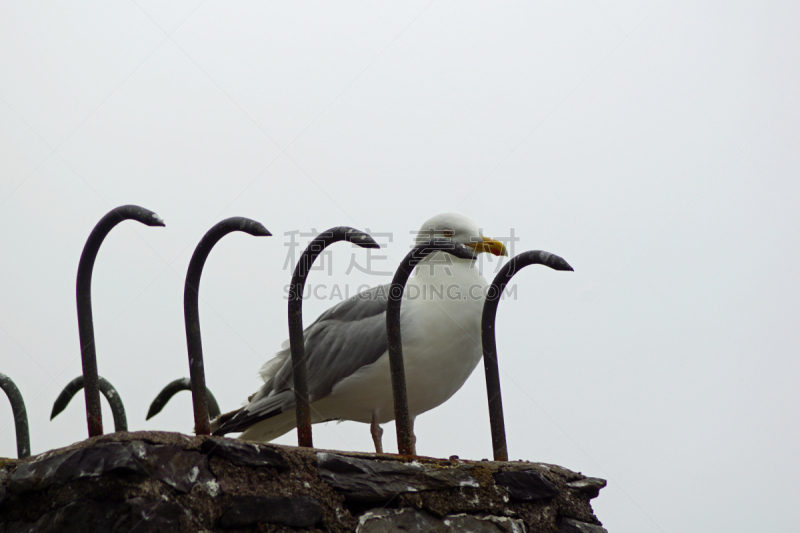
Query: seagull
(347, 354)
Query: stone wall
(157, 481)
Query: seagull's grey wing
(343, 339)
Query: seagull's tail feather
(271, 428)
(220, 420)
(260, 410)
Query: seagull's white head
(459, 229)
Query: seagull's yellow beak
(489, 245)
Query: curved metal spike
(108, 390)
(296, 341)
(191, 311)
(20, 416)
(534, 257)
(405, 438)
(171, 390)
(84, 296)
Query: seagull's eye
(448, 233)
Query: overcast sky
(655, 145)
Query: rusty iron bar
(296, 340)
(20, 416)
(191, 312)
(94, 417)
(108, 390)
(405, 444)
(494, 292)
(171, 390)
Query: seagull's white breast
(440, 327)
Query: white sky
(654, 145)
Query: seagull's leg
(413, 437)
(377, 433)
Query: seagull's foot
(377, 434)
(413, 438)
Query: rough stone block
(413, 520)
(570, 525)
(526, 485)
(363, 480)
(136, 515)
(293, 512)
(170, 464)
(244, 453)
(590, 486)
